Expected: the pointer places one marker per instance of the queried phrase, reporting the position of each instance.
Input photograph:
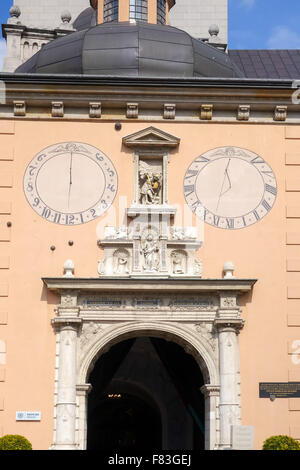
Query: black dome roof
(131, 49)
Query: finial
(66, 16)
(66, 20)
(69, 268)
(213, 32)
(15, 13)
(228, 269)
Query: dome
(131, 49)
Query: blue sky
(253, 24)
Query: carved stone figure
(150, 251)
(178, 262)
(150, 188)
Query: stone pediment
(151, 137)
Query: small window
(138, 10)
(110, 10)
(161, 11)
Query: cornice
(148, 284)
(159, 99)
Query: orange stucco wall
(259, 251)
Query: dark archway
(146, 396)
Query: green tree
(281, 443)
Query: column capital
(66, 322)
(227, 324)
(209, 390)
(83, 389)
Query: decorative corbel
(95, 109)
(243, 113)
(132, 111)
(19, 108)
(57, 109)
(169, 111)
(280, 113)
(206, 112)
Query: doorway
(146, 396)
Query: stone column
(228, 367)
(211, 394)
(82, 393)
(66, 390)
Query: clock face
(70, 183)
(230, 187)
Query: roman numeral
(255, 213)
(266, 205)
(271, 189)
(230, 223)
(189, 189)
(257, 160)
(202, 159)
(191, 173)
(216, 220)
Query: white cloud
(283, 37)
(2, 52)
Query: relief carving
(89, 333)
(150, 178)
(150, 251)
(121, 262)
(179, 262)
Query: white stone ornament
(69, 268)
(71, 183)
(228, 270)
(230, 187)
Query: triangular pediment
(151, 137)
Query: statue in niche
(150, 188)
(178, 260)
(121, 262)
(150, 251)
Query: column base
(64, 447)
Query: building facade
(149, 242)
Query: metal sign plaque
(28, 416)
(279, 390)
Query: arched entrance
(146, 396)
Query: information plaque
(279, 390)
(28, 416)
